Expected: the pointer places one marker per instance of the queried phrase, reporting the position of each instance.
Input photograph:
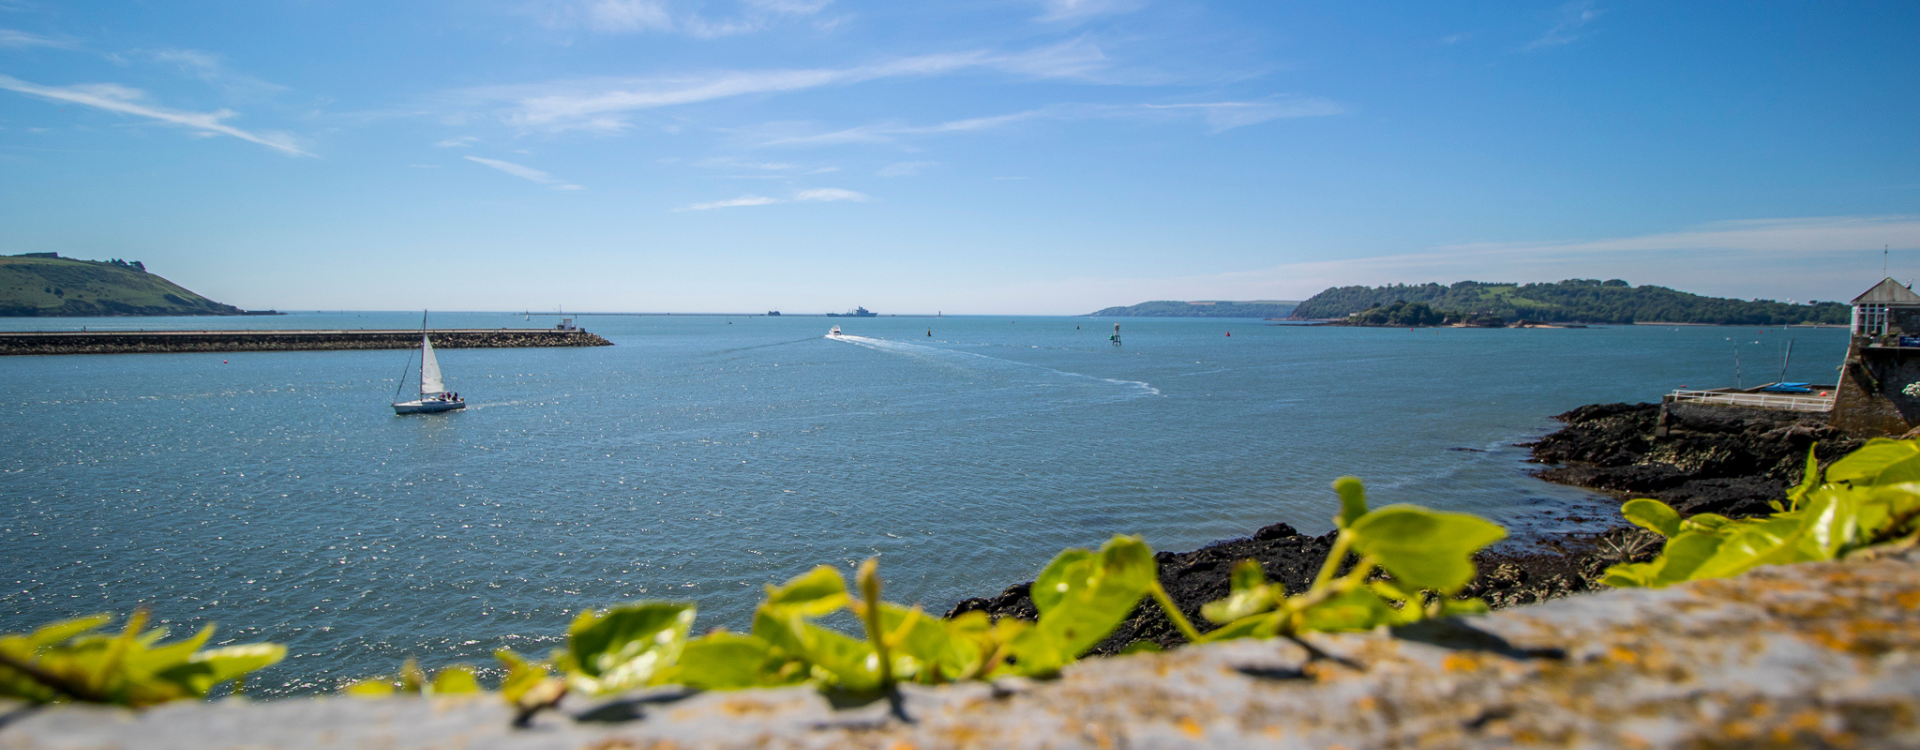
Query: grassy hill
(1176, 309)
(1570, 301)
(45, 285)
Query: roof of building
(1888, 292)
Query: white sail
(429, 369)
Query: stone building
(1879, 390)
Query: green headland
(47, 285)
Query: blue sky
(1001, 156)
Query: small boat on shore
(434, 396)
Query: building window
(1870, 320)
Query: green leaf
(1633, 575)
(1832, 522)
(1353, 500)
(726, 661)
(1251, 594)
(1682, 555)
(1809, 480)
(1354, 609)
(1422, 548)
(1770, 542)
(1705, 522)
(1141, 647)
(850, 662)
(1652, 515)
(455, 680)
(1469, 606)
(623, 647)
(1089, 598)
(213, 667)
(52, 633)
(818, 592)
(1072, 564)
(1244, 627)
(926, 651)
(1880, 461)
(372, 687)
(522, 674)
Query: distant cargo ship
(858, 312)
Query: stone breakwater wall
(142, 342)
(1801, 656)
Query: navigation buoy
(929, 332)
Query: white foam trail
(902, 347)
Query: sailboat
(433, 391)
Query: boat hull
(427, 407)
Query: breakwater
(146, 342)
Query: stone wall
(1871, 400)
(1814, 655)
(139, 342)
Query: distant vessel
(858, 312)
(835, 333)
(773, 313)
(433, 391)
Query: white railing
(1762, 400)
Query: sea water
(701, 458)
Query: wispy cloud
(1574, 17)
(745, 200)
(123, 100)
(525, 173)
(800, 134)
(19, 39)
(1079, 10)
(816, 195)
(1221, 116)
(213, 69)
(634, 16)
(601, 104)
(464, 141)
(905, 168)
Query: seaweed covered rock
(1699, 458)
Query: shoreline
(1707, 459)
(158, 342)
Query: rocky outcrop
(1699, 458)
(140, 342)
(1804, 656)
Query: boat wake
(919, 350)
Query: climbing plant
(1869, 500)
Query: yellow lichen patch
(1865, 637)
(1907, 599)
(1460, 663)
(744, 707)
(902, 745)
(1623, 655)
(1191, 728)
(1099, 736)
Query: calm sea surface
(702, 457)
